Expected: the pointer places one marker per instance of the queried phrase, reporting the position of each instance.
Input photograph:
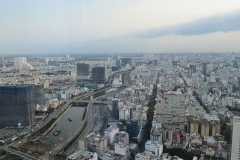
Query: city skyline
(42, 27)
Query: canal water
(67, 128)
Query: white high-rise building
(19, 62)
(236, 139)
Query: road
(91, 118)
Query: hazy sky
(119, 26)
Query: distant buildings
(83, 71)
(235, 138)
(2, 62)
(19, 62)
(204, 69)
(125, 61)
(17, 105)
(98, 75)
(82, 154)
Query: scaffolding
(21, 100)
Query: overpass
(21, 154)
(88, 101)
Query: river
(67, 128)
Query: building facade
(17, 105)
(122, 137)
(171, 111)
(235, 138)
(2, 62)
(98, 75)
(110, 133)
(115, 109)
(94, 143)
(83, 71)
(19, 62)
(132, 128)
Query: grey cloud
(217, 23)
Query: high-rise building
(98, 74)
(235, 138)
(115, 109)
(83, 71)
(2, 62)
(204, 69)
(193, 68)
(125, 61)
(132, 128)
(19, 62)
(39, 94)
(17, 105)
(171, 111)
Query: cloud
(217, 23)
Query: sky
(119, 26)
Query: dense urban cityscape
(119, 80)
(135, 106)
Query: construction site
(16, 105)
(38, 147)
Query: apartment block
(94, 143)
(110, 133)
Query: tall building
(171, 111)
(115, 109)
(235, 138)
(19, 62)
(204, 69)
(39, 94)
(193, 68)
(132, 128)
(83, 71)
(17, 105)
(2, 62)
(125, 61)
(98, 74)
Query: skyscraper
(204, 69)
(235, 138)
(16, 105)
(98, 74)
(82, 71)
(115, 109)
(2, 62)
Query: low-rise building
(94, 143)
(121, 149)
(122, 137)
(154, 147)
(82, 154)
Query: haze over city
(58, 26)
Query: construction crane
(18, 119)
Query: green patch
(59, 157)
(11, 157)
